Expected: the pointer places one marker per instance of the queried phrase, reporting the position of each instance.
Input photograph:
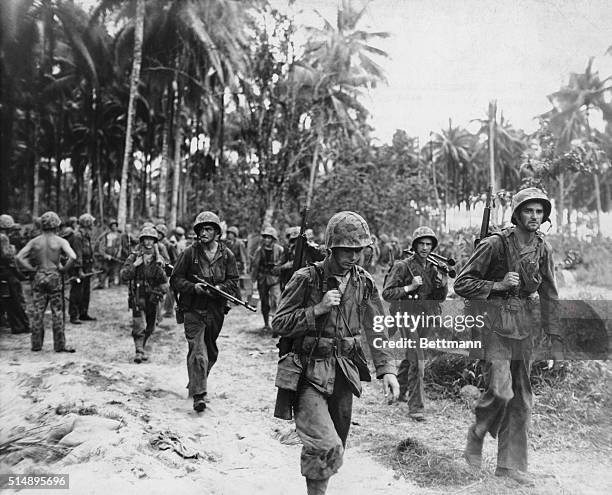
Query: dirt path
(237, 438)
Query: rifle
(228, 297)
(77, 279)
(285, 399)
(486, 217)
(300, 243)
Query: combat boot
(473, 449)
(316, 487)
(513, 474)
(198, 402)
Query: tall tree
(134, 82)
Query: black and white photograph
(285, 247)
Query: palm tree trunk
(36, 176)
(134, 80)
(178, 138)
(163, 172)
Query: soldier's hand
(417, 281)
(511, 279)
(138, 261)
(330, 299)
(391, 387)
(201, 289)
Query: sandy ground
(237, 439)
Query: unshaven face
(531, 216)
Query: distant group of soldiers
(321, 312)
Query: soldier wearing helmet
(12, 302)
(415, 286)
(80, 287)
(265, 270)
(323, 310)
(502, 277)
(238, 247)
(144, 270)
(178, 240)
(109, 251)
(312, 252)
(202, 312)
(43, 256)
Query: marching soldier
(80, 287)
(323, 310)
(265, 271)
(12, 302)
(418, 281)
(42, 256)
(506, 270)
(203, 313)
(144, 270)
(109, 250)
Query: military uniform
(148, 284)
(109, 244)
(266, 272)
(327, 353)
(203, 313)
(47, 286)
(434, 288)
(504, 410)
(12, 301)
(80, 288)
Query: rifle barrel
(224, 294)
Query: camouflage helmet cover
(234, 230)
(6, 222)
(162, 229)
(525, 196)
(86, 220)
(207, 217)
(421, 233)
(148, 232)
(271, 231)
(347, 229)
(180, 230)
(50, 220)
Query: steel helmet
(86, 220)
(271, 231)
(527, 195)
(148, 232)
(207, 217)
(347, 229)
(6, 222)
(162, 229)
(384, 238)
(422, 232)
(50, 220)
(113, 221)
(234, 230)
(292, 233)
(180, 230)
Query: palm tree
(454, 148)
(341, 63)
(569, 117)
(134, 81)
